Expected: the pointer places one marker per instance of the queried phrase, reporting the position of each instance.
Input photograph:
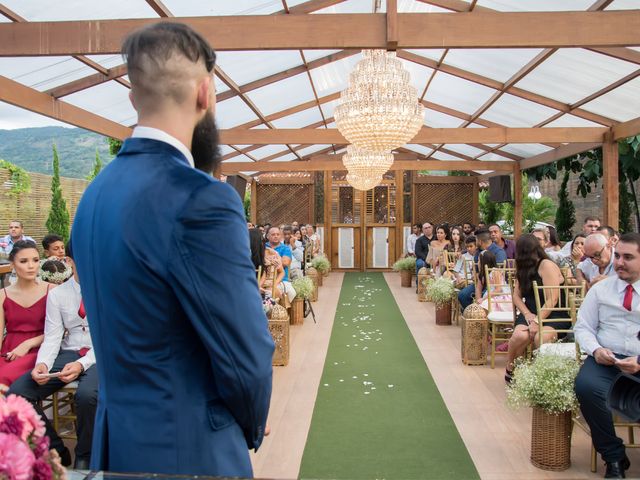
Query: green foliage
(321, 264)
(114, 145)
(58, 220)
(545, 382)
(247, 205)
(566, 213)
(490, 211)
(303, 286)
(542, 210)
(458, 173)
(97, 166)
(625, 211)
(20, 179)
(440, 291)
(407, 263)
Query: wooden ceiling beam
(340, 31)
(626, 129)
(426, 135)
(87, 82)
(30, 99)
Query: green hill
(30, 148)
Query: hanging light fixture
(379, 111)
(363, 182)
(365, 169)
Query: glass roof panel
(225, 149)
(299, 120)
(442, 156)
(457, 93)
(246, 66)
(435, 119)
(349, 6)
(419, 74)
(465, 149)
(624, 5)
(412, 6)
(526, 149)
(268, 150)
(285, 158)
(432, 53)
(537, 5)
(329, 107)
(311, 55)
(109, 100)
(494, 157)
(419, 148)
(42, 10)
(496, 63)
(190, 8)
(334, 77)
(621, 104)
(107, 61)
(272, 98)
(233, 112)
(312, 149)
(14, 117)
(571, 74)
(43, 73)
(568, 120)
(241, 158)
(517, 112)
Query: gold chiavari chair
(501, 311)
(449, 261)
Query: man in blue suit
(184, 352)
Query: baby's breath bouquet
(440, 291)
(546, 382)
(407, 263)
(321, 264)
(303, 287)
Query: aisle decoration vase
(312, 273)
(441, 292)
(407, 267)
(304, 288)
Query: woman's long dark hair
(257, 247)
(487, 259)
(529, 254)
(553, 237)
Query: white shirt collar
(162, 136)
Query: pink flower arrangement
(24, 449)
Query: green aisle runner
(378, 413)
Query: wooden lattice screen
(443, 202)
(284, 203)
(33, 208)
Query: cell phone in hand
(50, 375)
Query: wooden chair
(449, 261)
(64, 411)
(501, 311)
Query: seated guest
(607, 329)
(554, 243)
(456, 244)
(274, 237)
(292, 238)
(468, 228)
(24, 325)
(532, 264)
(577, 254)
(466, 295)
(437, 246)
(500, 291)
(66, 351)
(314, 238)
(53, 246)
(509, 246)
(411, 240)
(598, 264)
(542, 234)
(422, 247)
(610, 234)
(256, 244)
(55, 272)
(480, 228)
(591, 225)
(470, 250)
(15, 235)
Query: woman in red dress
(23, 311)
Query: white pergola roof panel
(536, 5)
(311, 55)
(435, 119)
(572, 74)
(496, 63)
(334, 77)
(109, 100)
(465, 149)
(623, 5)
(457, 93)
(494, 157)
(246, 66)
(299, 120)
(517, 112)
(270, 99)
(233, 112)
(419, 148)
(43, 10)
(568, 120)
(107, 61)
(431, 53)
(189, 8)
(526, 149)
(285, 158)
(311, 149)
(43, 73)
(329, 108)
(267, 151)
(621, 104)
(418, 73)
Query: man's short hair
(483, 236)
(597, 238)
(606, 228)
(147, 52)
(631, 237)
(287, 228)
(49, 239)
(591, 219)
(16, 221)
(470, 239)
(495, 225)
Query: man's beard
(205, 146)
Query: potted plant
(546, 384)
(407, 268)
(441, 291)
(322, 265)
(304, 290)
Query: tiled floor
(497, 438)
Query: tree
(490, 211)
(533, 211)
(97, 166)
(114, 145)
(625, 210)
(566, 213)
(247, 204)
(58, 221)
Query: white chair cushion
(500, 316)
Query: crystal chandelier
(365, 169)
(379, 110)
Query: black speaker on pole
(239, 183)
(500, 189)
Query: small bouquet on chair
(24, 448)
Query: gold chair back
(568, 299)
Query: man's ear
(133, 102)
(205, 95)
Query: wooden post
(517, 201)
(254, 201)
(476, 202)
(399, 213)
(610, 182)
(327, 215)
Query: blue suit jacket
(182, 345)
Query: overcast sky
(13, 117)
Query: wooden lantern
(279, 329)
(474, 335)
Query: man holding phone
(608, 329)
(66, 355)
